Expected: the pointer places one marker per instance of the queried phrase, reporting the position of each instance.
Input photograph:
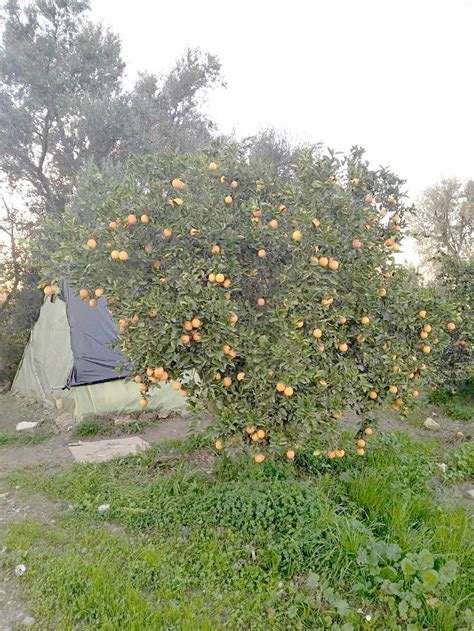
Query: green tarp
(47, 363)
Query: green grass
(282, 546)
(458, 405)
(28, 437)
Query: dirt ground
(52, 451)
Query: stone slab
(104, 450)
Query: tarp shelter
(73, 362)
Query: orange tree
(273, 303)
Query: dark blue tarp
(94, 341)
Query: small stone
(20, 569)
(431, 424)
(470, 494)
(26, 425)
(103, 508)
(28, 621)
(443, 466)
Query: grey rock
(28, 621)
(431, 424)
(26, 425)
(470, 494)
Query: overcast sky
(395, 76)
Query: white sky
(395, 76)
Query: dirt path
(54, 449)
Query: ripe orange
(373, 395)
(227, 381)
(228, 199)
(317, 333)
(226, 283)
(333, 264)
(360, 452)
(158, 372)
(426, 349)
(423, 335)
(356, 244)
(137, 379)
(323, 261)
(261, 434)
(368, 198)
(212, 166)
(218, 376)
(220, 278)
(240, 376)
(257, 212)
(422, 313)
(273, 223)
(115, 254)
(254, 437)
(259, 458)
(382, 292)
(280, 386)
(261, 302)
(91, 244)
(131, 219)
(123, 255)
(451, 326)
(342, 319)
(143, 403)
(340, 453)
(261, 253)
(219, 445)
(355, 181)
(83, 293)
(250, 429)
(145, 219)
(364, 320)
(321, 348)
(188, 326)
(197, 337)
(98, 292)
(383, 212)
(92, 302)
(167, 232)
(299, 324)
(233, 318)
(177, 184)
(196, 323)
(176, 385)
(361, 442)
(113, 225)
(343, 347)
(331, 455)
(178, 201)
(234, 184)
(290, 454)
(288, 391)
(215, 249)
(48, 290)
(316, 223)
(296, 236)
(368, 431)
(393, 389)
(212, 278)
(415, 393)
(185, 339)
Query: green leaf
(425, 560)
(408, 567)
(430, 579)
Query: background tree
(62, 101)
(444, 220)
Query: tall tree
(61, 80)
(444, 220)
(62, 102)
